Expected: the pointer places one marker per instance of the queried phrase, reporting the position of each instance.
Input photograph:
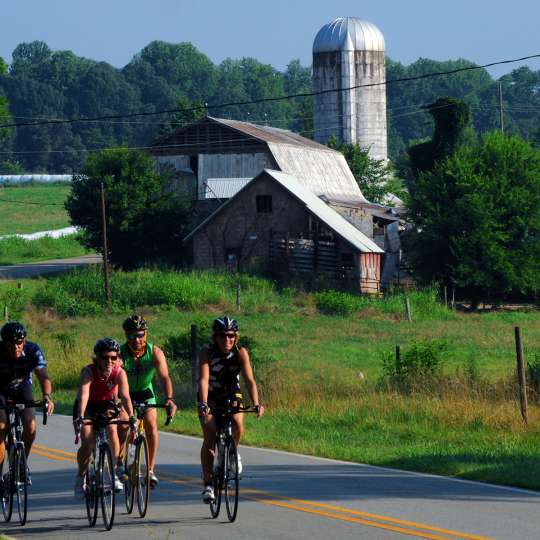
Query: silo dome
(348, 34)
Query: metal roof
(348, 34)
(21, 178)
(224, 188)
(316, 206)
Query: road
(284, 496)
(29, 270)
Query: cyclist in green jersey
(142, 362)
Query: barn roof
(320, 169)
(314, 205)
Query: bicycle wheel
(217, 479)
(91, 491)
(143, 474)
(21, 484)
(7, 492)
(106, 485)
(231, 480)
(130, 482)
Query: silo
(350, 52)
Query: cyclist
(143, 361)
(221, 363)
(100, 384)
(18, 359)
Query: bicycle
(99, 480)
(225, 477)
(14, 470)
(135, 461)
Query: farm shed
(275, 222)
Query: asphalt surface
(283, 496)
(29, 270)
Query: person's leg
(29, 429)
(208, 424)
(238, 427)
(151, 430)
(85, 450)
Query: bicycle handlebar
(145, 406)
(27, 404)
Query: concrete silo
(350, 52)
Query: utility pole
(107, 290)
(501, 110)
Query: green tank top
(140, 372)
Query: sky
(274, 31)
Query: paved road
(285, 496)
(20, 271)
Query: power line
(207, 107)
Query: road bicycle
(14, 470)
(225, 477)
(99, 478)
(135, 461)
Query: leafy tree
(144, 224)
(189, 111)
(371, 174)
(476, 219)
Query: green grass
(33, 207)
(308, 365)
(18, 250)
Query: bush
(338, 303)
(419, 367)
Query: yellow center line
(321, 509)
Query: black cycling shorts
(96, 408)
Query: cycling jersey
(225, 371)
(16, 373)
(140, 372)
(103, 389)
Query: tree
(144, 224)
(476, 219)
(189, 111)
(370, 174)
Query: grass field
(319, 374)
(32, 208)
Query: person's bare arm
(123, 392)
(249, 378)
(46, 387)
(162, 370)
(204, 379)
(84, 391)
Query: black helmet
(134, 323)
(106, 344)
(13, 331)
(225, 324)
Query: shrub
(338, 303)
(419, 367)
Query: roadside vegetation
(16, 250)
(328, 373)
(28, 208)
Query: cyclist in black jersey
(221, 363)
(20, 358)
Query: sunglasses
(16, 343)
(225, 335)
(108, 357)
(138, 335)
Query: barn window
(264, 204)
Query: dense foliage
(41, 83)
(144, 225)
(476, 218)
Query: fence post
(19, 285)
(194, 357)
(453, 298)
(238, 291)
(6, 315)
(521, 375)
(445, 292)
(398, 355)
(408, 309)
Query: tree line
(40, 83)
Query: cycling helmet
(134, 323)
(13, 331)
(106, 345)
(225, 324)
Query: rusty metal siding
(369, 272)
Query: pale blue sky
(274, 31)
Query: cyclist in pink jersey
(100, 385)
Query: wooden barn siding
(370, 272)
(233, 226)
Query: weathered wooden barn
(270, 218)
(276, 223)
